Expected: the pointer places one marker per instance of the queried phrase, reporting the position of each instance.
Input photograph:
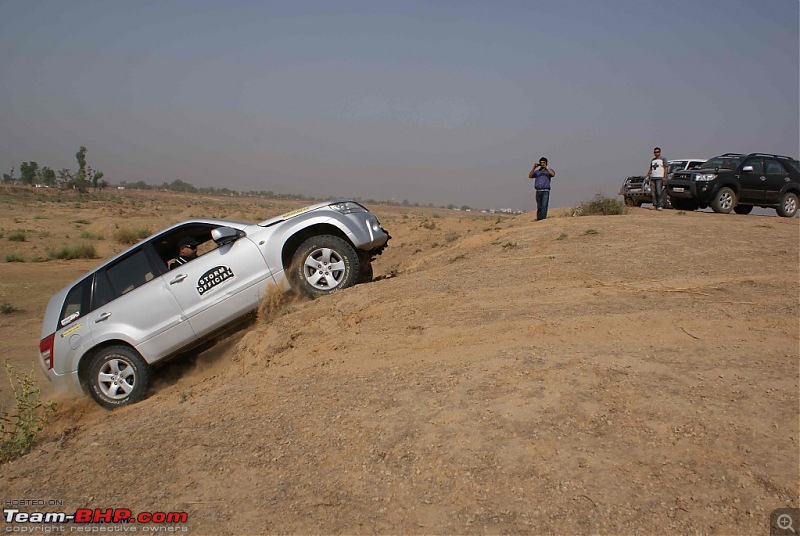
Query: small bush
(91, 236)
(430, 225)
(17, 236)
(20, 425)
(7, 308)
(125, 235)
(600, 206)
(562, 236)
(44, 234)
(82, 222)
(591, 232)
(14, 257)
(38, 259)
(451, 236)
(75, 251)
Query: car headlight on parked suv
(348, 208)
(705, 177)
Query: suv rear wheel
(323, 264)
(724, 201)
(788, 205)
(118, 376)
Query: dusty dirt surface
(632, 374)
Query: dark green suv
(739, 182)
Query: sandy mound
(599, 374)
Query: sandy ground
(631, 374)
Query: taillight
(46, 350)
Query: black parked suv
(739, 182)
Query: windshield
(723, 162)
(676, 165)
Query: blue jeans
(656, 185)
(542, 199)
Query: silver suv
(103, 332)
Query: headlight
(348, 207)
(705, 177)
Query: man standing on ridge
(656, 175)
(542, 175)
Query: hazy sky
(436, 101)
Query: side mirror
(225, 235)
(747, 168)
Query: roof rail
(770, 155)
(732, 154)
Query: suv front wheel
(323, 264)
(724, 201)
(118, 376)
(788, 205)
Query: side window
(130, 273)
(694, 165)
(774, 167)
(75, 304)
(758, 165)
(103, 293)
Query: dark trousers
(542, 200)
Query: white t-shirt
(658, 168)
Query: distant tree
(28, 172)
(8, 177)
(79, 180)
(466, 207)
(64, 177)
(95, 177)
(180, 186)
(48, 176)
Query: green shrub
(20, 425)
(7, 308)
(14, 257)
(75, 251)
(125, 235)
(17, 236)
(91, 236)
(600, 206)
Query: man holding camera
(542, 176)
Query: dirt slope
(631, 374)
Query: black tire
(365, 274)
(684, 204)
(788, 205)
(324, 264)
(724, 201)
(743, 209)
(118, 376)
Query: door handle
(103, 316)
(178, 279)
(763, 178)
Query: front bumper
(702, 192)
